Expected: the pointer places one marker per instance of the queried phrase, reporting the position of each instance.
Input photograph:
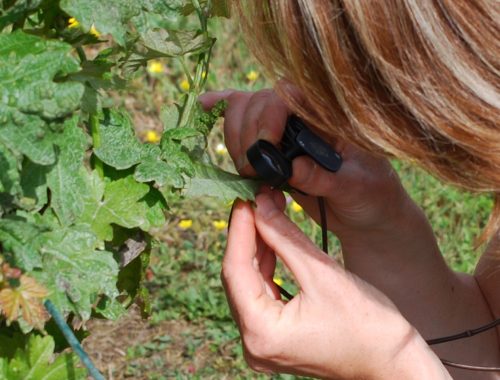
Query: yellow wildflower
(73, 23)
(155, 67)
(94, 31)
(184, 85)
(203, 74)
(221, 149)
(252, 75)
(185, 224)
(278, 281)
(296, 207)
(152, 136)
(219, 224)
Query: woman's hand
(337, 326)
(365, 195)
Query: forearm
(401, 258)
(408, 267)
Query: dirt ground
(109, 342)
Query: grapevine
(79, 192)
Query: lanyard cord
(430, 342)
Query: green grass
(186, 263)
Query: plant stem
(96, 142)
(81, 54)
(198, 82)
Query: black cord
(324, 241)
(465, 334)
(324, 225)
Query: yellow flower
(221, 149)
(185, 224)
(152, 136)
(203, 74)
(219, 224)
(252, 75)
(73, 23)
(94, 31)
(184, 85)
(155, 67)
(278, 281)
(296, 207)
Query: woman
(418, 80)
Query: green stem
(96, 142)
(187, 72)
(198, 82)
(81, 54)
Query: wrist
(406, 226)
(411, 359)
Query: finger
(233, 123)
(277, 196)
(288, 242)
(241, 276)
(210, 98)
(267, 265)
(265, 118)
(311, 178)
(266, 256)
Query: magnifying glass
(274, 166)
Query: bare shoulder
(487, 274)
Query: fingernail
(241, 162)
(265, 204)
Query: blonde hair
(415, 79)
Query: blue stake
(73, 341)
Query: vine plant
(78, 191)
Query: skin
(395, 281)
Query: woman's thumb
(289, 243)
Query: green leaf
(110, 308)
(9, 175)
(119, 147)
(159, 14)
(18, 238)
(35, 362)
(74, 272)
(115, 202)
(214, 182)
(108, 17)
(10, 12)
(170, 116)
(170, 43)
(27, 71)
(180, 133)
(96, 75)
(67, 178)
(26, 135)
(160, 172)
(30, 97)
(174, 156)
